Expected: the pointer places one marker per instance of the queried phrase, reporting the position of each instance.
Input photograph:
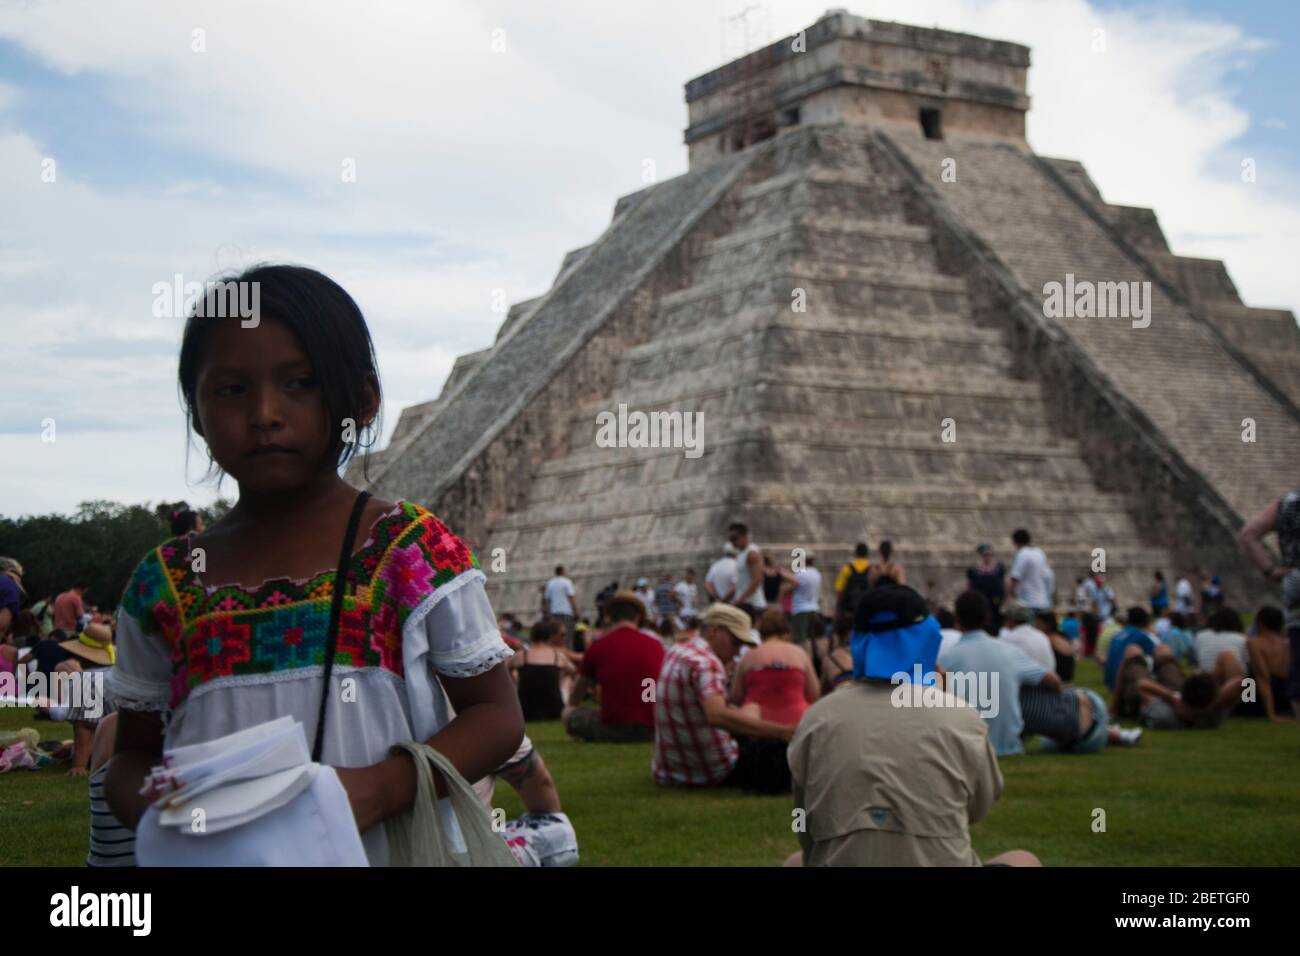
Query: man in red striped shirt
(694, 724)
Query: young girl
(226, 628)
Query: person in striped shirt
(1071, 719)
(111, 844)
(1224, 633)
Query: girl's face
(260, 408)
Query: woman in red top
(776, 680)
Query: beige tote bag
(416, 838)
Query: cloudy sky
(487, 139)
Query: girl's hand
(364, 794)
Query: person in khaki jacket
(894, 774)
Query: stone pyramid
(849, 287)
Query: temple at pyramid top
(850, 70)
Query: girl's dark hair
(326, 321)
(183, 521)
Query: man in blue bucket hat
(891, 770)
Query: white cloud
(476, 171)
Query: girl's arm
(485, 732)
(138, 750)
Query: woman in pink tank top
(776, 680)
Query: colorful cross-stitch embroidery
(282, 624)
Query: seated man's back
(988, 673)
(886, 785)
(622, 662)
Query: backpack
(857, 585)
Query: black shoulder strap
(336, 609)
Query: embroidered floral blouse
(221, 659)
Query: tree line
(97, 546)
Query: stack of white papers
(250, 798)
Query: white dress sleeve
(452, 633)
(140, 678)
(461, 630)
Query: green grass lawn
(1228, 797)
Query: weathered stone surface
(922, 310)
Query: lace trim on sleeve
(487, 649)
(489, 653)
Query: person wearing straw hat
(700, 739)
(90, 651)
(11, 593)
(93, 646)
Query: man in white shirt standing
(561, 600)
(720, 581)
(804, 601)
(1031, 581)
(749, 571)
(1184, 596)
(687, 595)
